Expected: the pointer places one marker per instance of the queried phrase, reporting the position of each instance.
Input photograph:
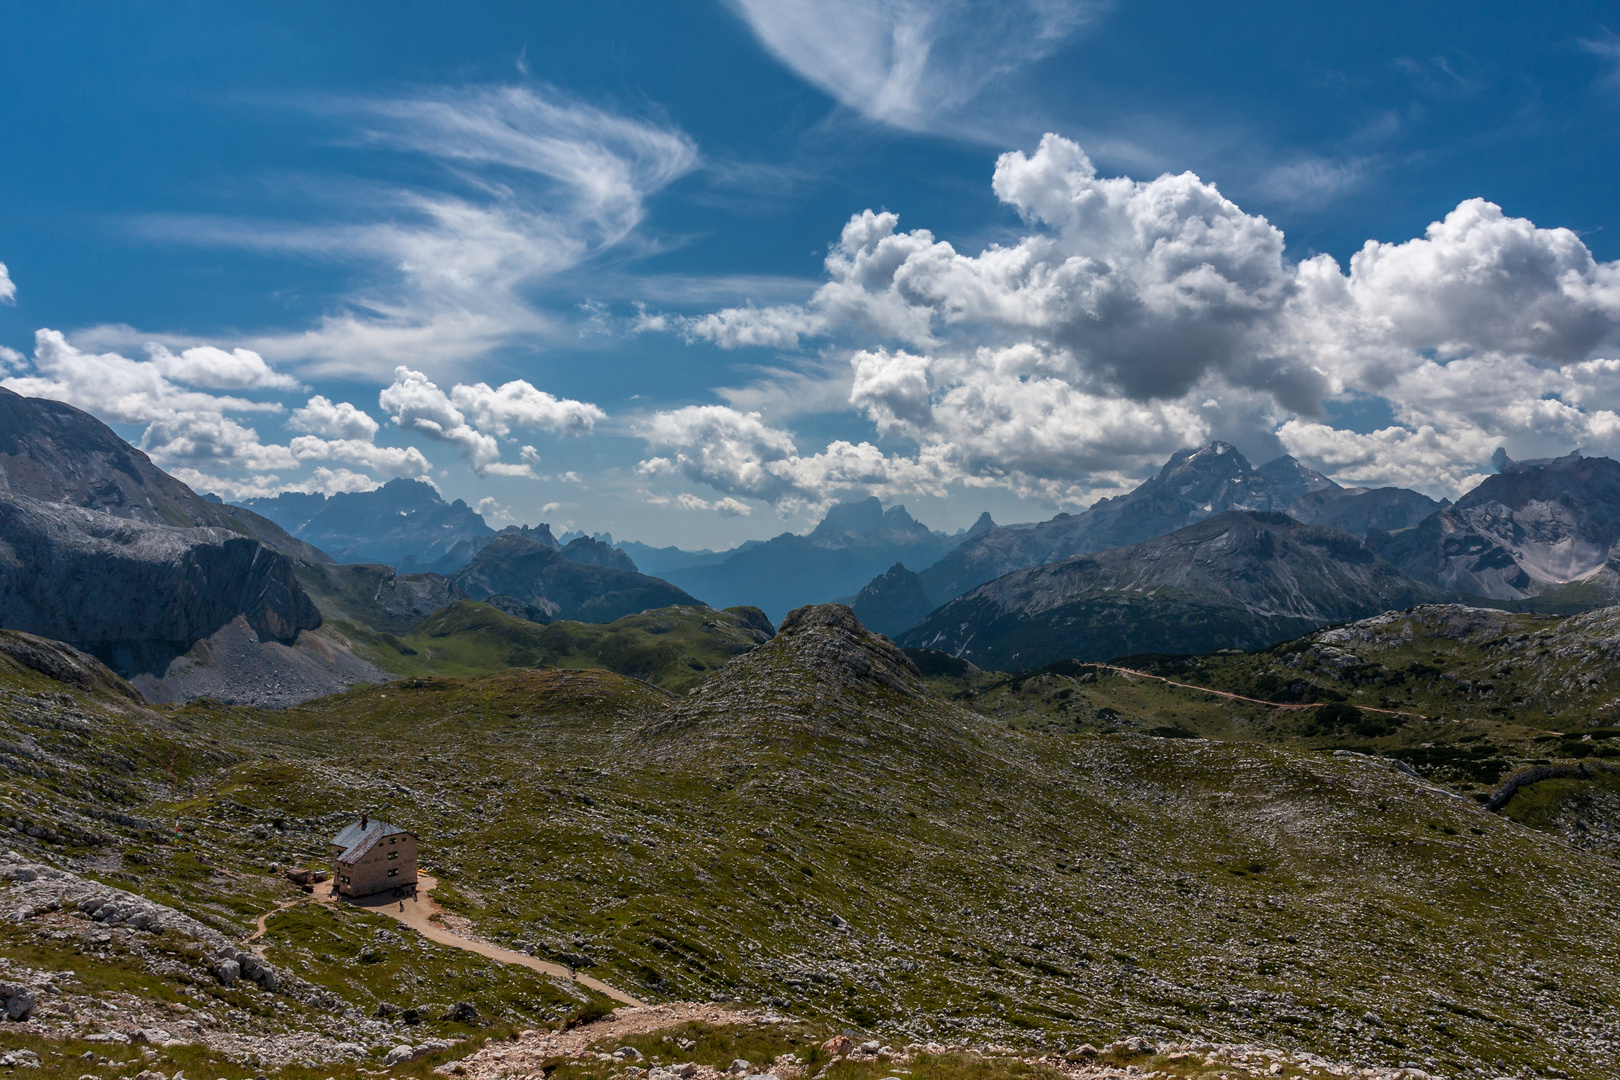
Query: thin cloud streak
(535, 185)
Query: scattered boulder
(403, 1052)
(1133, 1046)
(464, 1011)
(838, 1045)
(627, 1053)
(19, 1059)
(20, 1001)
(227, 972)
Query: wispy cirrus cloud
(911, 64)
(530, 184)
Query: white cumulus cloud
(116, 388)
(416, 403)
(519, 404)
(205, 365)
(1134, 317)
(738, 454)
(319, 416)
(8, 288)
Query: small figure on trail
(402, 905)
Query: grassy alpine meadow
(818, 831)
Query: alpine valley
(1241, 773)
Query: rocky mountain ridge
(1236, 580)
(1192, 485)
(55, 453)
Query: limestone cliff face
(136, 594)
(1534, 528)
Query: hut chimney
(364, 817)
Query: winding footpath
(418, 912)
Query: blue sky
(610, 265)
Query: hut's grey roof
(356, 841)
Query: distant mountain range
(404, 523)
(855, 541)
(1192, 485)
(186, 596)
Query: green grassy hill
(674, 647)
(815, 828)
(1487, 696)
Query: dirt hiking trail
(418, 913)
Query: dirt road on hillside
(417, 913)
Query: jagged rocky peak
(865, 519)
(535, 534)
(1217, 477)
(984, 523)
(822, 660)
(583, 549)
(1290, 480)
(1533, 528)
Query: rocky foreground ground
(134, 1036)
(533, 1055)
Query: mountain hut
(372, 856)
